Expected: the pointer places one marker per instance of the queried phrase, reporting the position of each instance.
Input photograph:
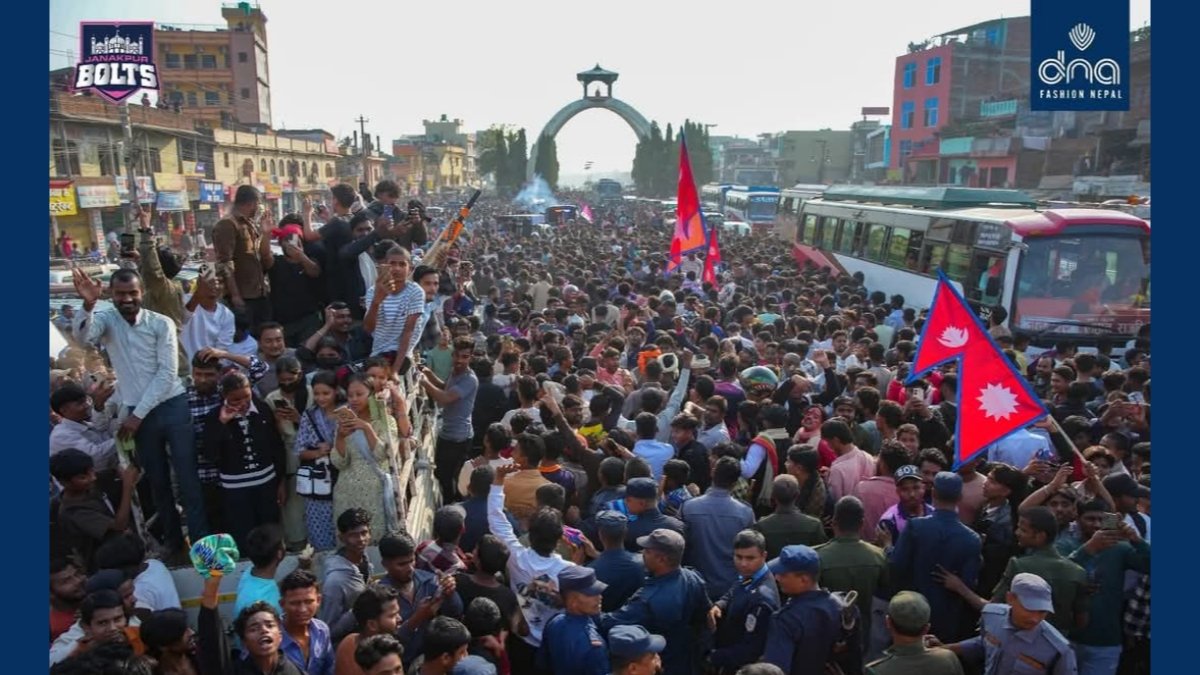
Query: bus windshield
(763, 207)
(1084, 285)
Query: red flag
(993, 398)
(712, 258)
(689, 221)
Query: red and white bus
(1061, 273)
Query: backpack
(846, 657)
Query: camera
(419, 209)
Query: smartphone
(572, 535)
(389, 211)
(128, 242)
(284, 404)
(1111, 521)
(207, 271)
(344, 414)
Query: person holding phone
(237, 242)
(364, 451)
(295, 278)
(241, 439)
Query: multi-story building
(283, 167)
(171, 161)
(812, 157)
(218, 75)
(946, 80)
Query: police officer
(635, 651)
(673, 602)
(742, 616)
(640, 505)
(621, 570)
(1016, 637)
(907, 620)
(804, 631)
(571, 643)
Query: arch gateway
(597, 96)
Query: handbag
(315, 479)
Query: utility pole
(127, 152)
(362, 125)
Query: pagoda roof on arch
(597, 73)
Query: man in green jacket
(850, 564)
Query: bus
(607, 188)
(1074, 274)
(754, 205)
(560, 214)
(712, 196)
(790, 200)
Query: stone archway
(600, 98)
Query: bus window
(915, 242)
(932, 258)
(958, 262)
(985, 281)
(828, 230)
(810, 229)
(850, 236)
(897, 251)
(876, 236)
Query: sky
(748, 67)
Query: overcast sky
(748, 67)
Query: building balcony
(97, 109)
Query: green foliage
(546, 164)
(656, 160)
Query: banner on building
(172, 200)
(97, 196)
(212, 192)
(62, 198)
(145, 188)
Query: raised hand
(88, 288)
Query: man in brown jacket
(238, 241)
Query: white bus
(754, 205)
(790, 200)
(1078, 273)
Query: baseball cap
(576, 579)
(1124, 485)
(907, 471)
(1033, 592)
(105, 580)
(948, 485)
(642, 488)
(666, 541)
(473, 665)
(909, 611)
(611, 521)
(631, 642)
(796, 558)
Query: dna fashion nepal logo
(117, 59)
(1079, 55)
(1057, 69)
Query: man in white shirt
(1019, 447)
(206, 322)
(85, 426)
(532, 570)
(143, 348)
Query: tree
(516, 159)
(546, 164)
(493, 152)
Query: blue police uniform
(803, 632)
(933, 541)
(624, 573)
(572, 645)
(746, 610)
(1004, 649)
(647, 522)
(674, 605)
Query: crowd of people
(639, 471)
